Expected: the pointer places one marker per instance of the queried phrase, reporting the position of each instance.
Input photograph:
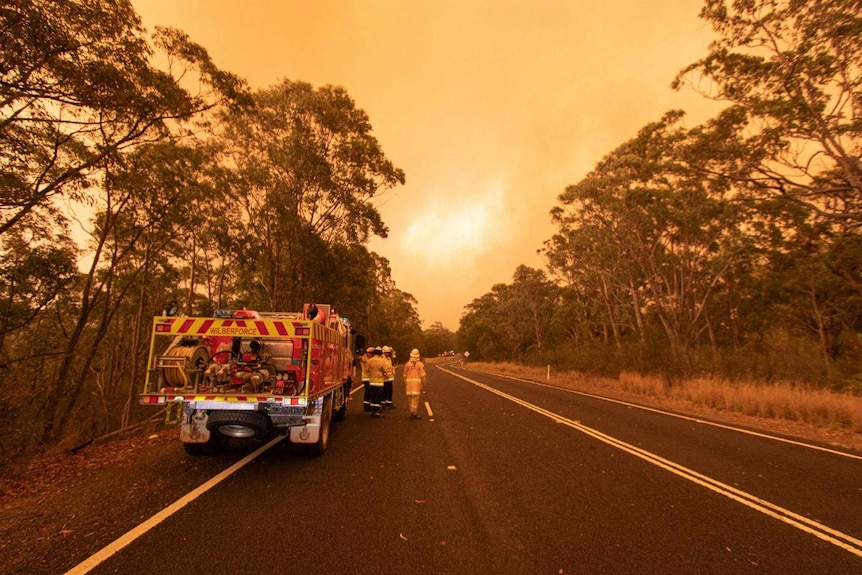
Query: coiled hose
(177, 375)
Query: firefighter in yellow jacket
(389, 355)
(378, 370)
(363, 363)
(414, 380)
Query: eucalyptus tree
(398, 324)
(308, 171)
(76, 86)
(437, 339)
(144, 230)
(535, 297)
(796, 299)
(793, 67)
(379, 310)
(510, 323)
(791, 74)
(661, 231)
(353, 298)
(811, 304)
(512, 319)
(80, 88)
(32, 275)
(479, 330)
(604, 290)
(578, 318)
(158, 244)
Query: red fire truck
(250, 374)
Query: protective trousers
(366, 404)
(413, 402)
(374, 395)
(387, 394)
(414, 390)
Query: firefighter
(389, 355)
(363, 365)
(414, 380)
(378, 370)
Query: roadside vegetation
(135, 175)
(718, 264)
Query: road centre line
(837, 538)
(127, 538)
(687, 418)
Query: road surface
(510, 477)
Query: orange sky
(491, 107)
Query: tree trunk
(137, 322)
(821, 332)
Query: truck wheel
(323, 438)
(240, 424)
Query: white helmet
(386, 349)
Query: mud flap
(310, 432)
(193, 428)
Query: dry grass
(786, 408)
(773, 401)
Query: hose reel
(179, 360)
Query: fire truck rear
(249, 374)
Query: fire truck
(252, 374)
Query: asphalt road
(510, 477)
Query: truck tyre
(319, 448)
(240, 424)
